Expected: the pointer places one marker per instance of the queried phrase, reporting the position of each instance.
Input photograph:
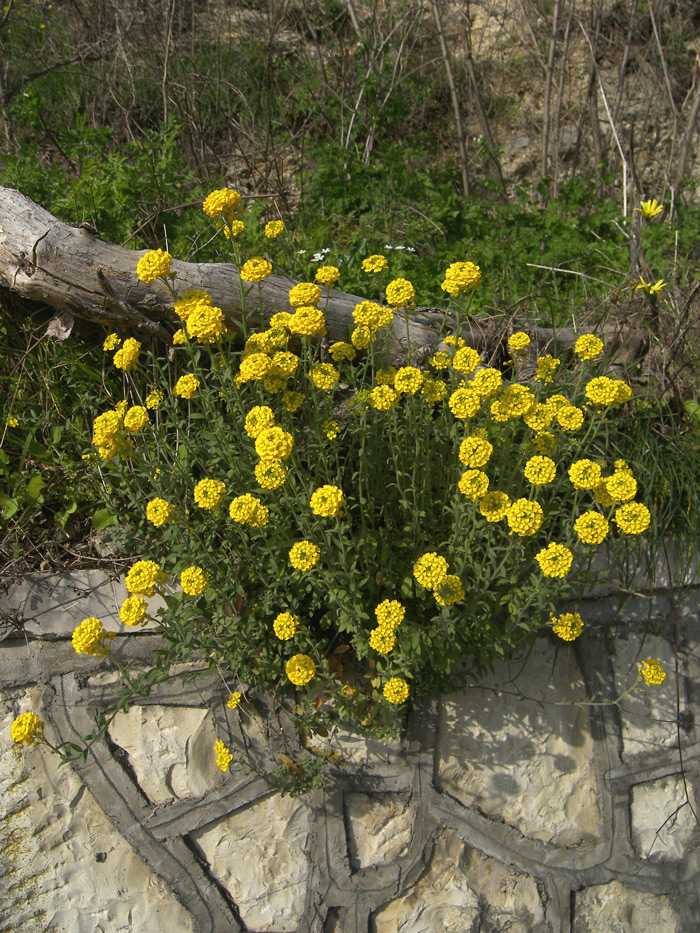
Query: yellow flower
(270, 474)
(331, 429)
(603, 391)
(487, 382)
(588, 347)
(494, 506)
(154, 264)
(223, 755)
(259, 419)
(206, 323)
(274, 444)
(591, 527)
(396, 691)
(362, 336)
(194, 581)
(91, 638)
(546, 367)
(652, 672)
(133, 611)
(249, 510)
(225, 202)
(144, 577)
(430, 570)
(633, 518)
(441, 360)
(325, 376)
(154, 398)
(450, 591)
(135, 419)
(372, 315)
(28, 728)
(466, 360)
(300, 669)
(525, 517)
(545, 443)
(327, 501)
(327, 275)
(433, 390)
(159, 512)
(390, 613)
(12, 421)
(304, 555)
(382, 639)
(570, 417)
(273, 228)
(285, 625)
(584, 474)
(342, 351)
(236, 697)
(473, 484)
(518, 343)
(209, 493)
(408, 380)
(621, 486)
(179, 337)
(461, 276)
(475, 452)
(649, 209)
(111, 342)
(186, 386)
(293, 400)
(383, 398)
(568, 626)
(464, 403)
(307, 321)
(255, 270)
(540, 470)
(555, 560)
(304, 294)
(400, 294)
(284, 363)
(127, 357)
(375, 263)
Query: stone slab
(618, 908)
(663, 825)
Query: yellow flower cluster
(382, 639)
(408, 380)
(304, 294)
(133, 611)
(154, 398)
(223, 756)
(525, 517)
(588, 347)
(331, 429)
(591, 527)
(300, 669)
(234, 699)
(28, 728)
(186, 386)
(127, 357)
(209, 493)
(270, 474)
(450, 591)
(396, 691)
(390, 612)
(546, 367)
(464, 403)
(487, 382)
(205, 323)
(91, 638)
(555, 560)
(327, 501)
(154, 264)
(194, 581)
(225, 203)
(304, 555)
(540, 470)
(327, 275)
(135, 419)
(568, 626)
(466, 360)
(375, 263)
(475, 452)
(518, 344)
(274, 444)
(307, 321)
(433, 390)
(325, 376)
(249, 510)
(400, 294)
(494, 506)
(144, 577)
(585, 474)
(285, 625)
(255, 270)
(473, 484)
(430, 570)
(603, 391)
(652, 672)
(159, 512)
(383, 398)
(342, 351)
(259, 419)
(273, 228)
(112, 341)
(633, 518)
(460, 277)
(106, 435)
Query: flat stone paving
(523, 805)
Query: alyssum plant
(345, 533)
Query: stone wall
(520, 805)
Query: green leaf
(62, 517)
(104, 518)
(8, 506)
(34, 486)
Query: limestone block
(378, 828)
(617, 908)
(170, 748)
(66, 868)
(648, 714)
(656, 832)
(463, 886)
(529, 763)
(259, 855)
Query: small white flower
(300, 252)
